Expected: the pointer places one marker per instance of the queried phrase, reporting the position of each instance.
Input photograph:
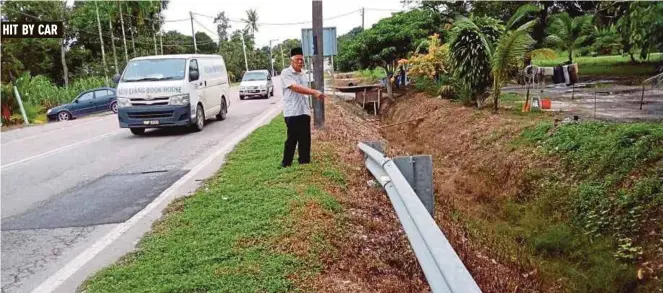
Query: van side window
(193, 66)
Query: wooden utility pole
(193, 33)
(318, 52)
(160, 29)
(101, 40)
(63, 46)
(362, 18)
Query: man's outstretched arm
(307, 91)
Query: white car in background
(256, 83)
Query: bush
(39, 93)
(372, 75)
(468, 56)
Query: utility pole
(160, 29)
(154, 38)
(18, 98)
(193, 33)
(246, 63)
(110, 25)
(124, 37)
(63, 45)
(318, 52)
(271, 61)
(101, 40)
(362, 18)
(282, 57)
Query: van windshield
(155, 69)
(250, 76)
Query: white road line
(61, 149)
(56, 129)
(57, 279)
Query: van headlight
(123, 102)
(179, 100)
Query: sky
(275, 12)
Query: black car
(89, 102)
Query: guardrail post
(418, 171)
(377, 145)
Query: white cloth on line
(567, 79)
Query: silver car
(256, 83)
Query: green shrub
(38, 94)
(372, 75)
(469, 57)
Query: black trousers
(299, 136)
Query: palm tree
(510, 48)
(569, 33)
(251, 21)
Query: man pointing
(296, 109)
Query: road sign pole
(318, 105)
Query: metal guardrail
(441, 265)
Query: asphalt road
(67, 184)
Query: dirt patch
(370, 252)
(474, 170)
(608, 100)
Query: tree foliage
(390, 39)
(641, 27)
(569, 32)
(222, 26)
(251, 21)
(470, 54)
(433, 63)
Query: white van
(172, 90)
(256, 83)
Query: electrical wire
(116, 38)
(285, 23)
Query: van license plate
(151, 122)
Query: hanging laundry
(541, 75)
(548, 71)
(558, 75)
(573, 73)
(567, 79)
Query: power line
(284, 24)
(209, 30)
(385, 9)
(114, 38)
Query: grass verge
(594, 221)
(252, 228)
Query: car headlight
(179, 100)
(49, 111)
(123, 102)
(263, 86)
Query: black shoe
(304, 162)
(283, 166)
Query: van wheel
(271, 93)
(224, 111)
(137, 131)
(200, 119)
